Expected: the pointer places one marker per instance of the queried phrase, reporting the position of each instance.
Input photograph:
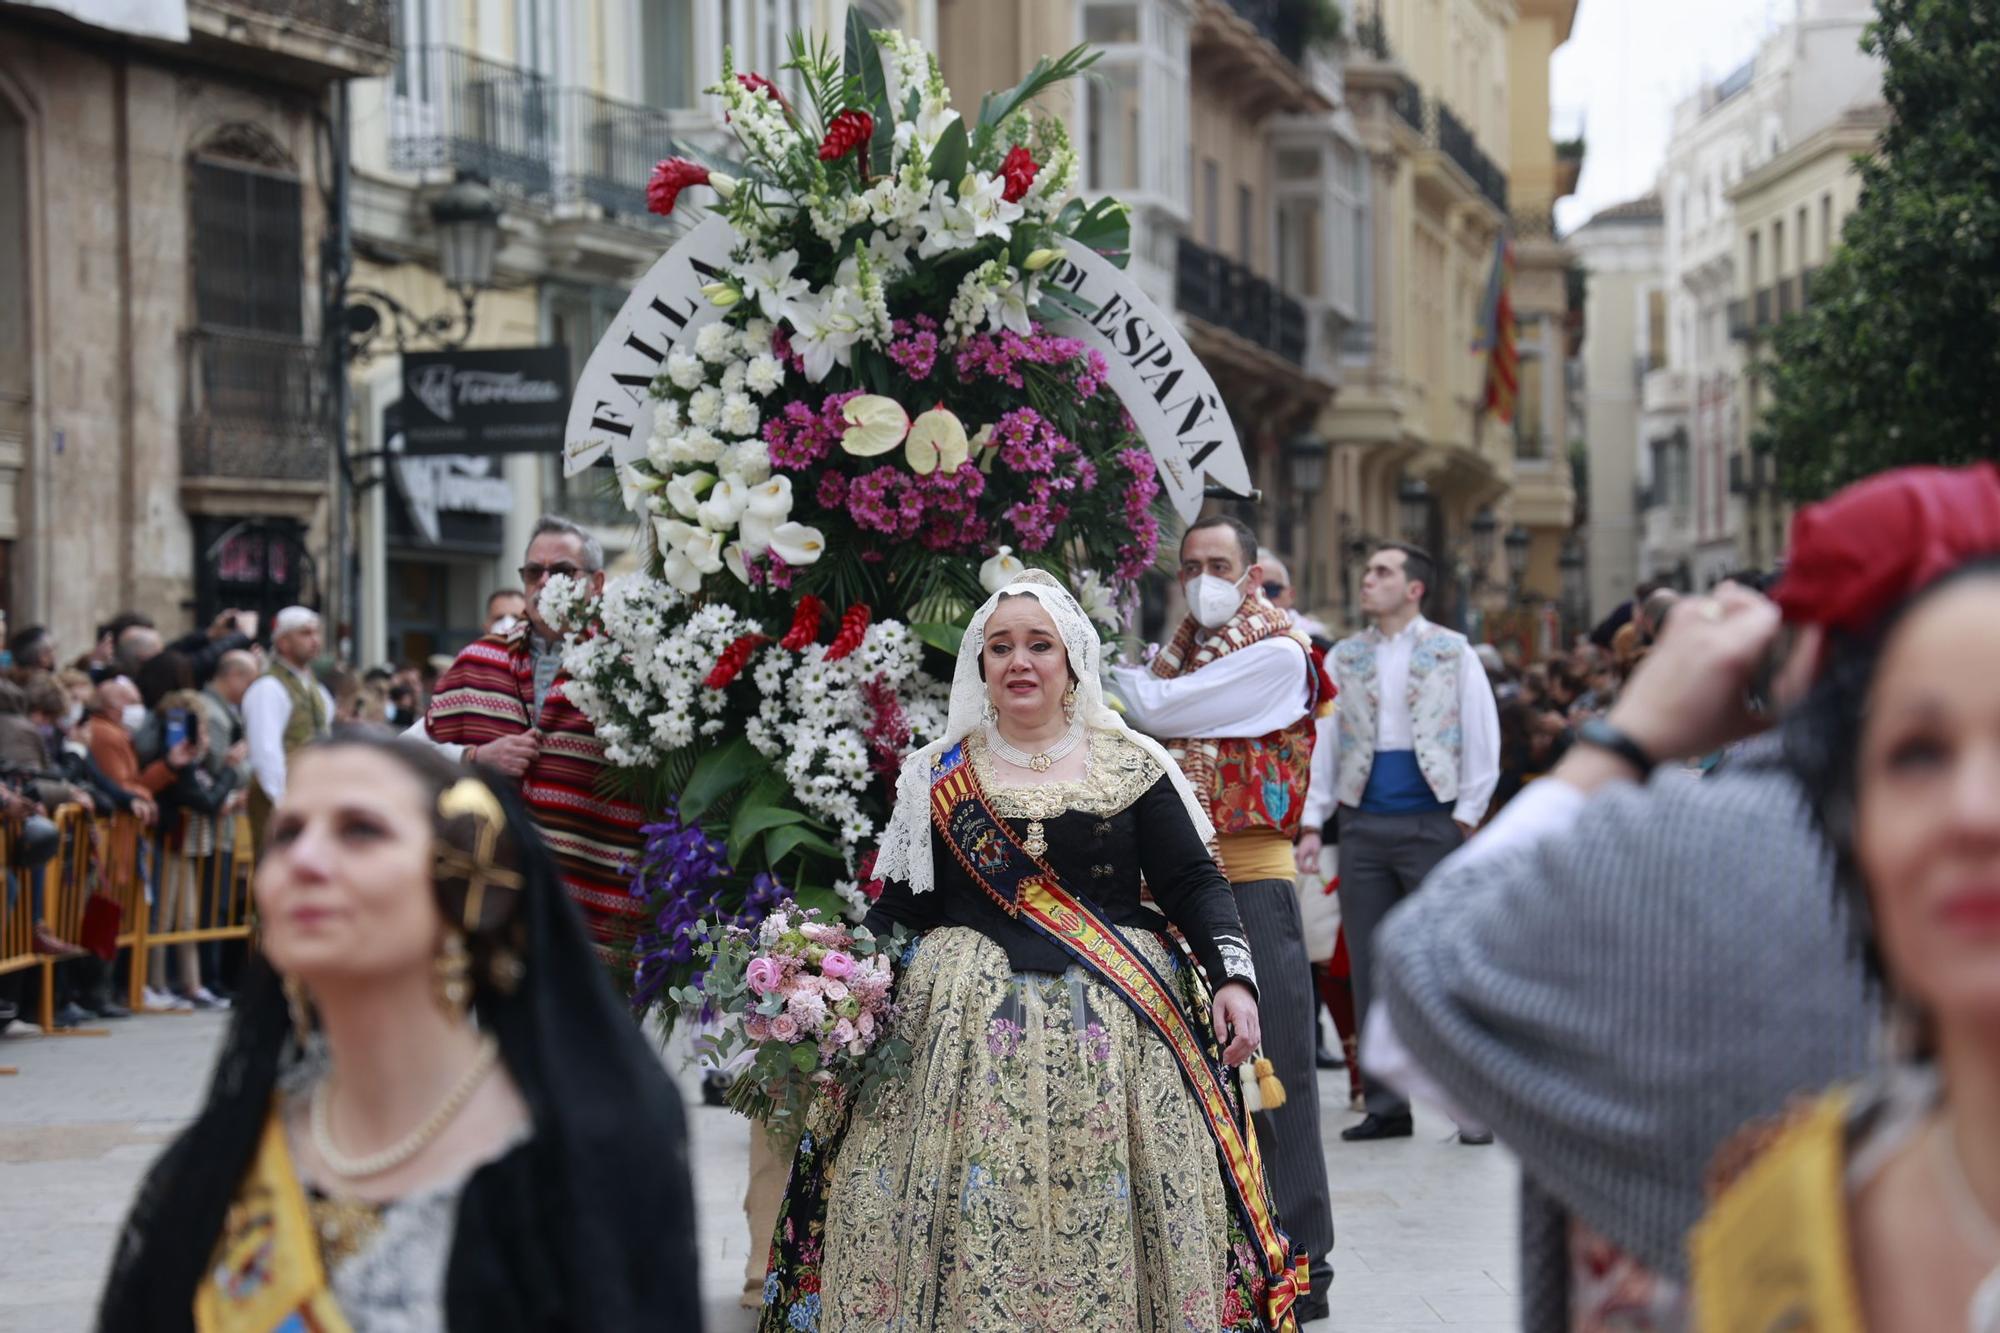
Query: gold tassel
(1253, 1097)
(1269, 1091)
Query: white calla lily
(796, 544)
(771, 501)
(753, 534)
(1000, 570)
(875, 425)
(937, 443)
(680, 572)
(634, 486)
(685, 491)
(733, 561)
(723, 505)
(704, 551)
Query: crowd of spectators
(153, 728)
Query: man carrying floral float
(504, 703)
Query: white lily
(796, 544)
(685, 491)
(824, 331)
(733, 561)
(772, 500)
(680, 572)
(1000, 570)
(937, 443)
(1040, 259)
(723, 504)
(753, 534)
(875, 425)
(772, 282)
(1010, 311)
(984, 199)
(947, 224)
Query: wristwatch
(1603, 736)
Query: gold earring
(990, 714)
(452, 974)
(300, 1005)
(1069, 702)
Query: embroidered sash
(266, 1276)
(1027, 888)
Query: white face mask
(72, 715)
(134, 716)
(1212, 601)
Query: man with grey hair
(502, 704)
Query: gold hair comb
(471, 797)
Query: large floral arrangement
(884, 423)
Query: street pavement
(1426, 1226)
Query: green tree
(1897, 360)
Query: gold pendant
(1041, 763)
(1036, 842)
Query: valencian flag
(1497, 335)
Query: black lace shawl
(587, 1225)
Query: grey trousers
(1383, 858)
(1289, 1137)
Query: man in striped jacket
(502, 704)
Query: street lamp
(1516, 541)
(1574, 592)
(1484, 527)
(1305, 458)
(1413, 498)
(467, 219)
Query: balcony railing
(1788, 302)
(455, 111)
(253, 408)
(1275, 22)
(608, 149)
(1219, 291)
(1764, 301)
(1443, 130)
(1739, 320)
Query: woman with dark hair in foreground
(431, 1111)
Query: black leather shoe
(1311, 1310)
(1380, 1127)
(1475, 1138)
(1325, 1059)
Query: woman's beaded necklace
(1040, 762)
(393, 1156)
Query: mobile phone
(177, 727)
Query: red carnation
(805, 624)
(669, 179)
(755, 81)
(850, 130)
(1018, 170)
(853, 627)
(734, 658)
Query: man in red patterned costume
(1233, 697)
(502, 704)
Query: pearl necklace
(393, 1156)
(1038, 763)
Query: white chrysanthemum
(749, 461)
(733, 376)
(764, 375)
(739, 415)
(685, 369)
(705, 406)
(715, 343)
(699, 445)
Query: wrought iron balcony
(607, 150)
(1441, 129)
(1764, 302)
(1788, 302)
(1274, 22)
(454, 111)
(1409, 103)
(1219, 291)
(253, 408)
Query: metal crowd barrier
(115, 864)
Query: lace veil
(906, 843)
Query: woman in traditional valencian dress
(1067, 1151)
(431, 1112)
(1879, 1206)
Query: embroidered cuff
(1236, 961)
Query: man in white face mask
(1233, 697)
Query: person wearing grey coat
(1618, 977)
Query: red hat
(1860, 552)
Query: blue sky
(1626, 64)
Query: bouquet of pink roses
(810, 999)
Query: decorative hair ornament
(473, 799)
(1861, 551)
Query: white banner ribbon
(613, 407)
(1172, 399)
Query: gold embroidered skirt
(1042, 1168)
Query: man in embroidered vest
(1232, 696)
(284, 709)
(1418, 756)
(502, 704)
